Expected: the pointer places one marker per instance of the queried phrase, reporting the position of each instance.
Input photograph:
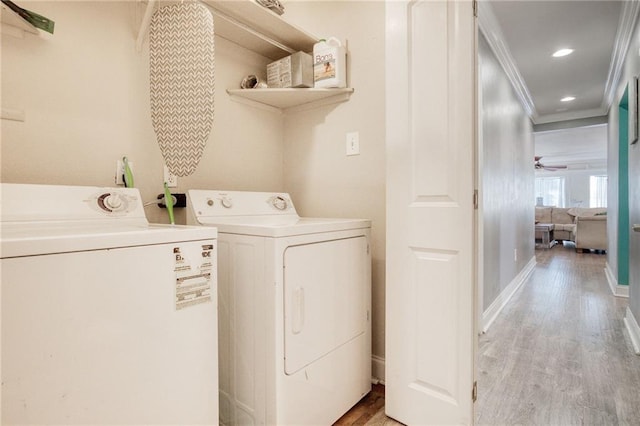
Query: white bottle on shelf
(329, 63)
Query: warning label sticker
(193, 275)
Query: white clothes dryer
(294, 309)
(106, 319)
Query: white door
(430, 92)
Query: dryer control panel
(216, 203)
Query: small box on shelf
(295, 70)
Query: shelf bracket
(144, 26)
(12, 114)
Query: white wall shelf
(16, 22)
(250, 25)
(259, 29)
(288, 99)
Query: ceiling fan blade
(553, 168)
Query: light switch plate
(353, 143)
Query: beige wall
(85, 94)
(322, 180)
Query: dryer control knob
(226, 202)
(210, 202)
(279, 203)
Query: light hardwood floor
(368, 407)
(557, 355)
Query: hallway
(559, 353)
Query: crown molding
(571, 115)
(488, 24)
(628, 19)
(602, 120)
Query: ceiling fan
(538, 165)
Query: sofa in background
(563, 223)
(590, 223)
(591, 232)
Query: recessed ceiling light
(562, 52)
(568, 99)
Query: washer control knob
(210, 202)
(280, 203)
(112, 202)
(226, 202)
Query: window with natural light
(598, 191)
(550, 190)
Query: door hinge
(474, 392)
(475, 199)
(475, 8)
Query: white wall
(321, 178)
(582, 149)
(85, 94)
(507, 179)
(579, 147)
(576, 185)
(613, 158)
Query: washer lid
(281, 226)
(29, 239)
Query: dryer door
(325, 286)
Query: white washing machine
(106, 319)
(294, 299)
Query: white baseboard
(503, 298)
(617, 289)
(634, 330)
(377, 369)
